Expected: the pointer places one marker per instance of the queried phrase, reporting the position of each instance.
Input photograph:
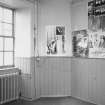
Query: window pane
(8, 44)
(1, 58)
(7, 29)
(7, 15)
(1, 44)
(8, 58)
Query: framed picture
(80, 43)
(55, 39)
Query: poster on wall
(80, 43)
(96, 15)
(91, 43)
(96, 44)
(96, 29)
(55, 40)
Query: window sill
(9, 70)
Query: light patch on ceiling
(16, 3)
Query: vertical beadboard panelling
(88, 80)
(97, 81)
(33, 79)
(79, 79)
(101, 84)
(26, 86)
(92, 81)
(23, 64)
(54, 76)
(27, 81)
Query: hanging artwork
(96, 29)
(80, 43)
(97, 45)
(60, 34)
(51, 40)
(55, 39)
(96, 15)
(91, 43)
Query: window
(6, 37)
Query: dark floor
(51, 101)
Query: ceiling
(18, 3)
(72, 1)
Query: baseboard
(29, 99)
(36, 98)
(85, 100)
(56, 96)
(10, 100)
(26, 98)
(49, 96)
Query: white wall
(24, 48)
(53, 74)
(24, 44)
(54, 12)
(53, 77)
(88, 82)
(79, 17)
(23, 33)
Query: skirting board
(43, 96)
(55, 96)
(86, 100)
(29, 99)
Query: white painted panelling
(97, 81)
(26, 65)
(23, 64)
(88, 80)
(79, 79)
(26, 86)
(88, 75)
(54, 76)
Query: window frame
(12, 37)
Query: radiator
(9, 87)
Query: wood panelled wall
(50, 78)
(54, 76)
(88, 80)
(63, 76)
(26, 65)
